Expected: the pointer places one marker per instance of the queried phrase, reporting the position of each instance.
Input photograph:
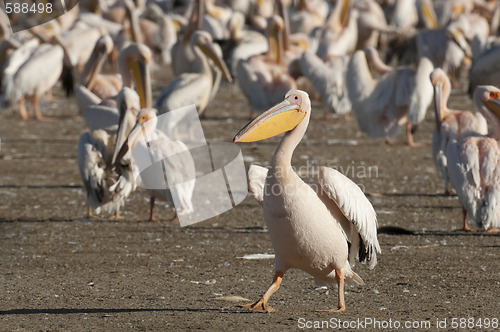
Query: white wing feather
(356, 208)
(256, 181)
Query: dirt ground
(62, 272)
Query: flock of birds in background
(338, 52)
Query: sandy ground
(62, 272)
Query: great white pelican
(194, 87)
(108, 180)
(473, 166)
(451, 125)
(310, 224)
(177, 164)
(401, 95)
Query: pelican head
(102, 48)
(275, 29)
(204, 42)
(279, 119)
(442, 85)
(145, 123)
(134, 63)
(487, 97)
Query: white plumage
(108, 181)
(401, 95)
(473, 166)
(451, 125)
(309, 224)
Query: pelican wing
(356, 208)
(100, 116)
(328, 81)
(90, 162)
(185, 90)
(37, 72)
(256, 181)
(422, 95)
(473, 169)
(12, 65)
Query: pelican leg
(466, 228)
(176, 217)
(493, 230)
(339, 277)
(89, 212)
(409, 136)
(116, 215)
(22, 109)
(151, 208)
(49, 95)
(35, 103)
(261, 305)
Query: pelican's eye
(494, 95)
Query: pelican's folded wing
(256, 181)
(356, 208)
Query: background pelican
(474, 166)
(194, 88)
(94, 87)
(451, 125)
(264, 78)
(32, 74)
(309, 223)
(134, 67)
(401, 95)
(177, 164)
(328, 79)
(108, 180)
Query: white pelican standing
(177, 163)
(310, 224)
(401, 95)
(195, 87)
(474, 168)
(451, 125)
(37, 72)
(108, 180)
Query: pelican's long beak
(438, 107)
(211, 52)
(282, 117)
(344, 13)
(135, 133)
(429, 15)
(126, 118)
(140, 71)
(459, 39)
(493, 103)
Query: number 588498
(25, 8)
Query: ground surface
(62, 272)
